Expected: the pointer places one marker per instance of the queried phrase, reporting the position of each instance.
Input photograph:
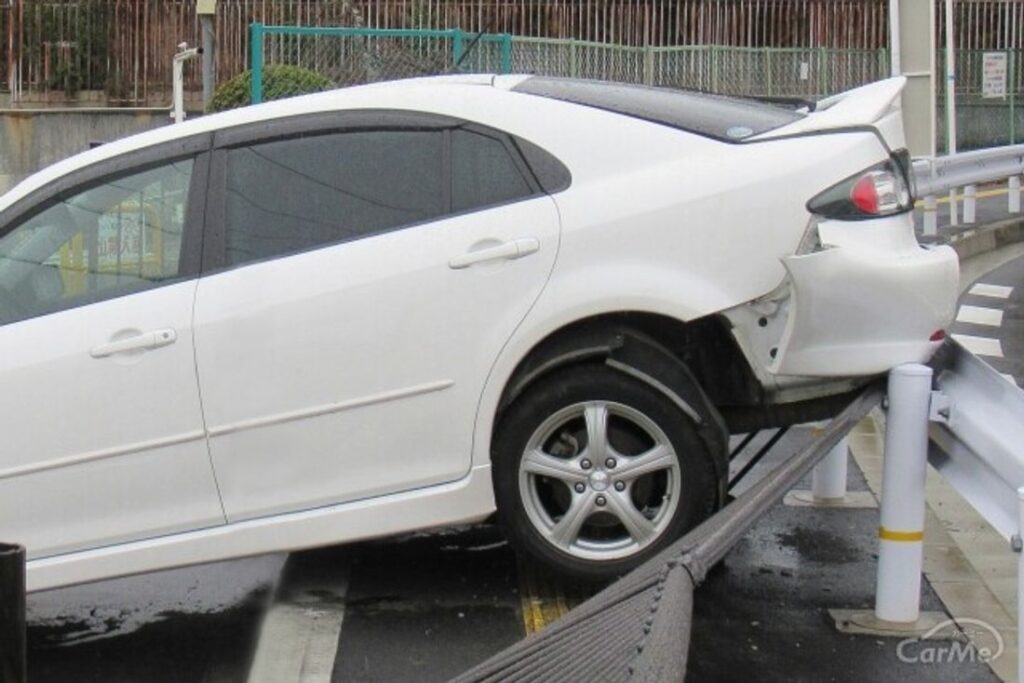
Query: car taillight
(881, 190)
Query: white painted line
(1008, 378)
(299, 638)
(297, 643)
(994, 291)
(980, 346)
(979, 315)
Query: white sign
(993, 75)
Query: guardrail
(638, 629)
(977, 445)
(944, 175)
(12, 613)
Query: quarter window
(290, 195)
(122, 236)
(483, 172)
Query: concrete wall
(33, 139)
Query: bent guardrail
(638, 629)
(12, 613)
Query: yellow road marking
(960, 197)
(908, 536)
(544, 600)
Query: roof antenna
(472, 44)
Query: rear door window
(290, 195)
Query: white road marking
(994, 291)
(980, 346)
(978, 315)
(299, 637)
(1008, 378)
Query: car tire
(593, 511)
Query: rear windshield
(724, 118)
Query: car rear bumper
(863, 310)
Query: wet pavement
(429, 606)
(191, 624)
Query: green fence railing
(347, 56)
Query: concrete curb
(986, 238)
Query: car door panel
(104, 440)
(355, 370)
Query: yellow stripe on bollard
(890, 535)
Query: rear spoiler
(867, 105)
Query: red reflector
(864, 195)
(937, 335)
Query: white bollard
(970, 195)
(901, 532)
(931, 215)
(1014, 194)
(828, 480)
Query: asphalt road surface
(426, 607)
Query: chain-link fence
(751, 72)
(347, 56)
(981, 121)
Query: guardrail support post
(970, 193)
(1014, 194)
(931, 215)
(12, 613)
(901, 532)
(828, 479)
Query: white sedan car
(414, 304)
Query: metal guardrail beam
(941, 175)
(977, 435)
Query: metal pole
(894, 38)
(1014, 194)
(12, 613)
(950, 101)
(901, 532)
(256, 62)
(178, 109)
(208, 44)
(828, 479)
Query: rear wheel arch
(646, 348)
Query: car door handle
(513, 249)
(140, 342)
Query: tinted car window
(121, 236)
(724, 118)
(289, 195)
(483, 172)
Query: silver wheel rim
(601, 501)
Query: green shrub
(279, 81)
